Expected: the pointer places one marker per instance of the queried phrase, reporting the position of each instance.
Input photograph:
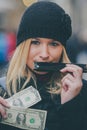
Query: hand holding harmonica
(45, 66)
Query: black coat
(69, 116)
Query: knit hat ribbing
(46, 20)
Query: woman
(42, 35)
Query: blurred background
(10, 15)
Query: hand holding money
(19, 115)
(3, 104)
(24, 98)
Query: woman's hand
(71, 82)
(3, 104)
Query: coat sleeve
(73, 114)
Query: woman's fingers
(69, 77)
(71, 82)
(4, 102)
(2, 112)
(75, 70)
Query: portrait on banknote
(17, 102)
(21, 119)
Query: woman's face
(44, 50)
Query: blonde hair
(18, 68)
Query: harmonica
(46, 67)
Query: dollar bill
(31, 119)
(25, 98)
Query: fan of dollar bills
(20, 115)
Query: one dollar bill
(31, 119)
(25, 98)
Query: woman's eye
(35, 42)
(54, 44)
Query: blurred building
(10, 13)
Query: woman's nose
(44, 53)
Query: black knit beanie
(45, 20)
